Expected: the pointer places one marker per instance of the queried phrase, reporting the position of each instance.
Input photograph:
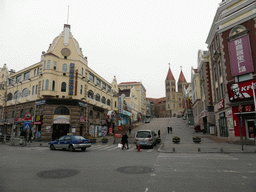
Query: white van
(145, 138)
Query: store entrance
(250, 126)
(59, 130)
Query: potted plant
(104, 140)
(175, 139)
(197, 139)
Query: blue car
(70, 142)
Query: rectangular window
(54, 65)
(215, 74)
(18, 79)
(36, 89)
(48, 64)
(26, 75)
(222, 90)
(104, 85)
(109, 89)
(34, 72)
(91, 77)
(43, 85)
(217, 41)
(98, 82)
(219, 65)
(53, 85)
(217, 94)
(38, 71)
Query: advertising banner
(240, 56)
(240, 91)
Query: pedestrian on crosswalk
(124, 141)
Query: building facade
(60, 94)
(232, 45)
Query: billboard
(240, 56)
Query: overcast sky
(133, 40)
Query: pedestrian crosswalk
(132, 147)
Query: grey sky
(133, 40)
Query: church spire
(182, 77)
(170, 75)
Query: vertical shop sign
(71, 78)
(240, 56)
(76, 82)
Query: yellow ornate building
(60, 94)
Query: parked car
(70, 142)
(145, 138)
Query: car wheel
(71, 148)
(52, 147)
(83, 149)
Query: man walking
(125, 141)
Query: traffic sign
(26, 125)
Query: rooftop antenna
(68, 15)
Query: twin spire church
(175, 103)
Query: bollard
(199, 149)
(173, 149)
(138, 148)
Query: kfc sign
(221, 104)
(240, 91)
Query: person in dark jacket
(30, 136)
(125, 141)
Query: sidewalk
(209, 143)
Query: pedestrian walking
(158, 133)
(171, 129)
(30, 136)
(124, 141)
(168, 129)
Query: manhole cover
(135, 169)
(58, 174)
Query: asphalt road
(106, 168)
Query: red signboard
(119, 135)
(240, 56)
(221, 104)
(240, 91)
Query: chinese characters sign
(240, 56)
(71, 78)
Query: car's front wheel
(83, 149)
(52, 147)
(71, 148)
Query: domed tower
(170, 89)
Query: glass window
(215, 74)
(98, 115)
(48, 64)
(108, 102)
(98, 82)
(33, 90)
(103, 100)
(97, 97)
(44, 64)
(104, 85)
(222, 90)
(25, 92)
(17, 95)
(61, 110)
(34, 72)
(38, 71)
(41, 110)
(36, 89)
(54, 65)
(63, 87)
(81, 89)
(18, 78)
(26, 75)
(219, 65)
(9, 97)
(109, 89)
(22, 113)
(217, 94)
(31, 111)
(47, 84)
(82, 71)
(90, 114)
(53, 85)
(64, 67)
(90, 94)
(91, 77)
(82, 112)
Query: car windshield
(79, 137)
(143, 134)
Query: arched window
(97, 97)
(47, 84)
(103, 100)
(90, 114)
(90, 94)
(64, 67)
(22, 113)
(31, 111)
(61, 110)
(63, 87)
(108, 102)
(16, 95)
(9, 97)
(53, 85)
(33, 90)
(25, 92)
(81, 89)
